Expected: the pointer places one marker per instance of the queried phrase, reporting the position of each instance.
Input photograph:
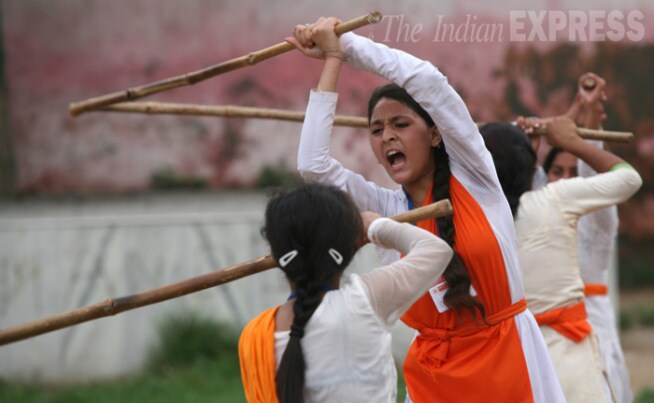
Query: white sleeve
(316, 165)
(394, 288)
(470, 162)
(579, 196)
(596, 234)
(539, 179)
(584, 170)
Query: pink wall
(61, 52)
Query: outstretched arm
(587, 109)
(314, 161)
(583, 195)
(394, 288)
(562, 133)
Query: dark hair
(514, 159)
(458, 279)
(309, 219)
(550, 157)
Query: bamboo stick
(589, 83)
(605, 135)
(115, 306)
(228, 111)
(250, 59)
(592, 134)
(232, 111)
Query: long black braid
(458, 279)
(310, 220)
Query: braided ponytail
(290, 374)
(310, 220)
(457, 276)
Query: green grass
(186, 338)
(196, 360)
(204, 381)
(646, 315)
(625, 320)
(645, 396)
(401, 387)
(635, 263)
(636, 316)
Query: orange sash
(595, 289)
(432, 345)
(570, 321)
(256, 353)
(454, 359)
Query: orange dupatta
(256, 353)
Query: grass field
(195, 361)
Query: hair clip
(286, 259)
(338, 258)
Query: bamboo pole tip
(374, 17)
(73, 109)
(589, 83)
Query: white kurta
(546, 226)
(347, 341)
(597, 234)
(470, 163)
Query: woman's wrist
(334, 53)
(329, 76)
(575, 110)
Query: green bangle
(621, 165)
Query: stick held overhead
(130, 94)
(115, 306)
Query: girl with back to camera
(476, 341)
(595, 239)
(331, 341)
(596, 235)
(546, 228)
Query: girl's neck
(418, 191)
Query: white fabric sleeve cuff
(374, 228)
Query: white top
(347, 341)
(596, 235)
(470, 163)
(546, 226)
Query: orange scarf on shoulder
(256, 353)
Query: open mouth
(395, 158)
